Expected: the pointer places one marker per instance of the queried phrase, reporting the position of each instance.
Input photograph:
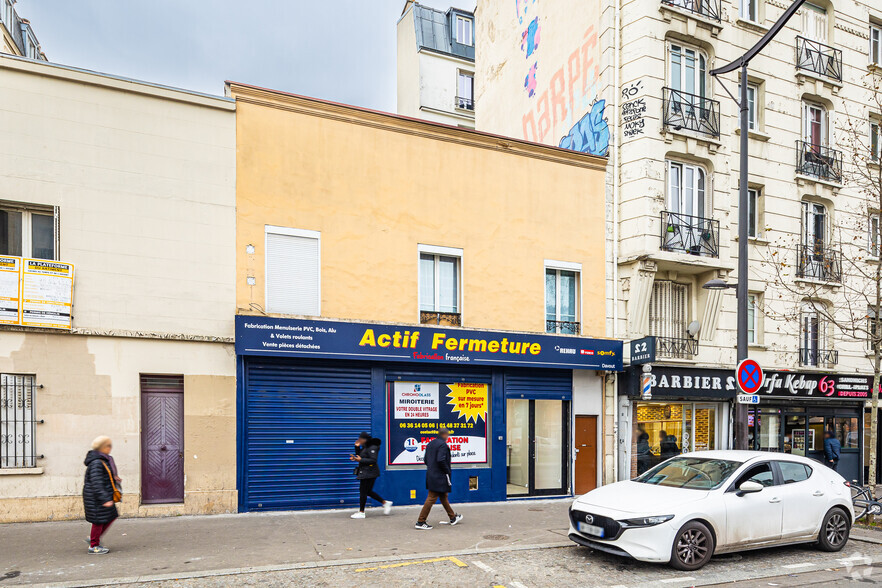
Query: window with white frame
(688, 71)
(814, 22)
(562, 298)
(686, 189)
(813, 337)
(875, 44)
(17, 421)
(752, 322)
(752, 113)
(875, 141)
(815, 125)
(753, 212)
(465, 90)
(464, 30)
(439, 278)
(293, 271)
(749, 10)
(27, 231)
(874, 235)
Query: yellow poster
(469, 400)
(10, 282)
(46, 293)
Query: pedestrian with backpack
(438, 471)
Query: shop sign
(418, 409)
(643, 350)
(816, 385)
(278, 337)
(687, 382)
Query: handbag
(117, 495)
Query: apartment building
(436, 64)
(117, 293)
(631, 81)
(17, 35)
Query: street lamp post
(740, 421)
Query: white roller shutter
(293, 272)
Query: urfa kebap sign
(418, 409)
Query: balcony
(465, 103)
(691, 112)
(818, 58)
(445, 319)
(562, 327)
(676, 348)
(818, 162)
(816, 262)
(823, 358)
(706, 8)
(695, 235)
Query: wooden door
(586, 454)
(162, 439)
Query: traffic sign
(749, 376)
(748, 398)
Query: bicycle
(863, 502)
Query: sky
(339, 50)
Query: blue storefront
(307, 388)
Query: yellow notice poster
(10, 282)
(46, 293)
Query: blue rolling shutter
(550, 384)
(301, 421)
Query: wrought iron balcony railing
(818, 357)
(691, 112)
(465, 103)
(706, 8)
(562, 327)
(676, 348)
(694, 235)
(447, 319)
(818, 263)
(818, 161)
(818, 58)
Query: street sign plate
(748, 399)
(749, 376)
(643, 350)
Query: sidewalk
(56, 552)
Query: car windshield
(694, 473)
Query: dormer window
(464, 31)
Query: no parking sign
(749, 376)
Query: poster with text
(418, 409)
(46, 293)
(10, 282)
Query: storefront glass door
(664, 430)
(538, 447)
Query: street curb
(866, 539)
(300, 566)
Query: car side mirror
(749, 487)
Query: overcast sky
(340, 50)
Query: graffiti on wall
(530, 80)
(530, 37)
(523, 6)
(529, 45)
(633, 110)
(591, 133)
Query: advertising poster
(418, 409)
(10, 281)
(46, 293)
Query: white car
(695, 505)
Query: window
(846, 430)
(875, 141)
(760, 473)
(293, 271)
(439, 280)
(751, 318)
(752, 95)
(26, 232)
(875, 44)
(465, 90)
(793, 472)
(562, 299)
(692, 473)
(813, 338)
(688, 68)
(749, 10)
(815, 125)
(463, 30)
(17, 421)
(814, 226)
(874, 235)
(686, 189)
(814, 22)
(753, 217)
(668, 311)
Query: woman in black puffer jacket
(367, 454)
(98, 492)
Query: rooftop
(20, 31)
(435, 30)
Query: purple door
(162, 439)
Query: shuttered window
(293, 271)
(667, 309)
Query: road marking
(517, 585)
(456, 561)
(805, 564)
(672, 580)
(483, 566)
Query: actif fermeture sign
(279, 337)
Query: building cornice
(400, 124)
(120, 333)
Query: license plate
(590, 529)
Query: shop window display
(662, 431)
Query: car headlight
(646, 521)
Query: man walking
(832, 449)
(438, 472)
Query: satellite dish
(693, 328)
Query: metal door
(162, 439)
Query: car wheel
(693, 546)
(834, 530)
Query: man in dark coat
(438, 472)
(98, 493)
(367, 454)
(832, 450)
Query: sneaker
(387, 507)
(358, 515)
(422, 526)
(456, 519)
(98, 550)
